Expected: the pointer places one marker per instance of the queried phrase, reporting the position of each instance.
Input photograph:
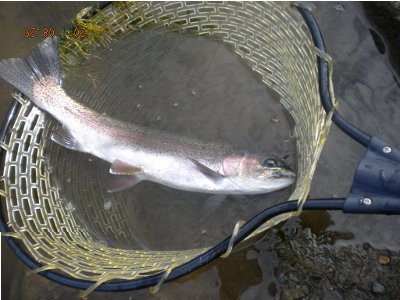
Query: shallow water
(287, 262)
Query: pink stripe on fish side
(239, 165)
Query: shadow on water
(319, 256)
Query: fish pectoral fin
(206, 170)
(63, 137)
(119, 183)
(119, 167)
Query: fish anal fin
(119, 167)
(63, 137)
(119, 183)
(206, 170)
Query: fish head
(256, 174)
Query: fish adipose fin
(23, 73)
(63, 137)
(119, 183)
(121, 168)
(206, 170)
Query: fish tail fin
(23, 73)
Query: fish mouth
(289, 173)
(284, 173)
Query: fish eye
(269, 162)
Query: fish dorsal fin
(63, 137)
(119, 167)
(119, 183)
(206, 170)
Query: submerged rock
(295, 293)
(378, 288)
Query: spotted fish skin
(136, 153)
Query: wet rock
(367, 247)
(378, 288)
(305, 290)
(384, 260)
(280, 245)
(316, 277)
(293, 277)
(295, 293)
(281, 278)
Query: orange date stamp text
(33, 32)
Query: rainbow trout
(136, 153)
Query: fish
(136, 153)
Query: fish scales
(137, 153)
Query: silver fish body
(137, 153)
